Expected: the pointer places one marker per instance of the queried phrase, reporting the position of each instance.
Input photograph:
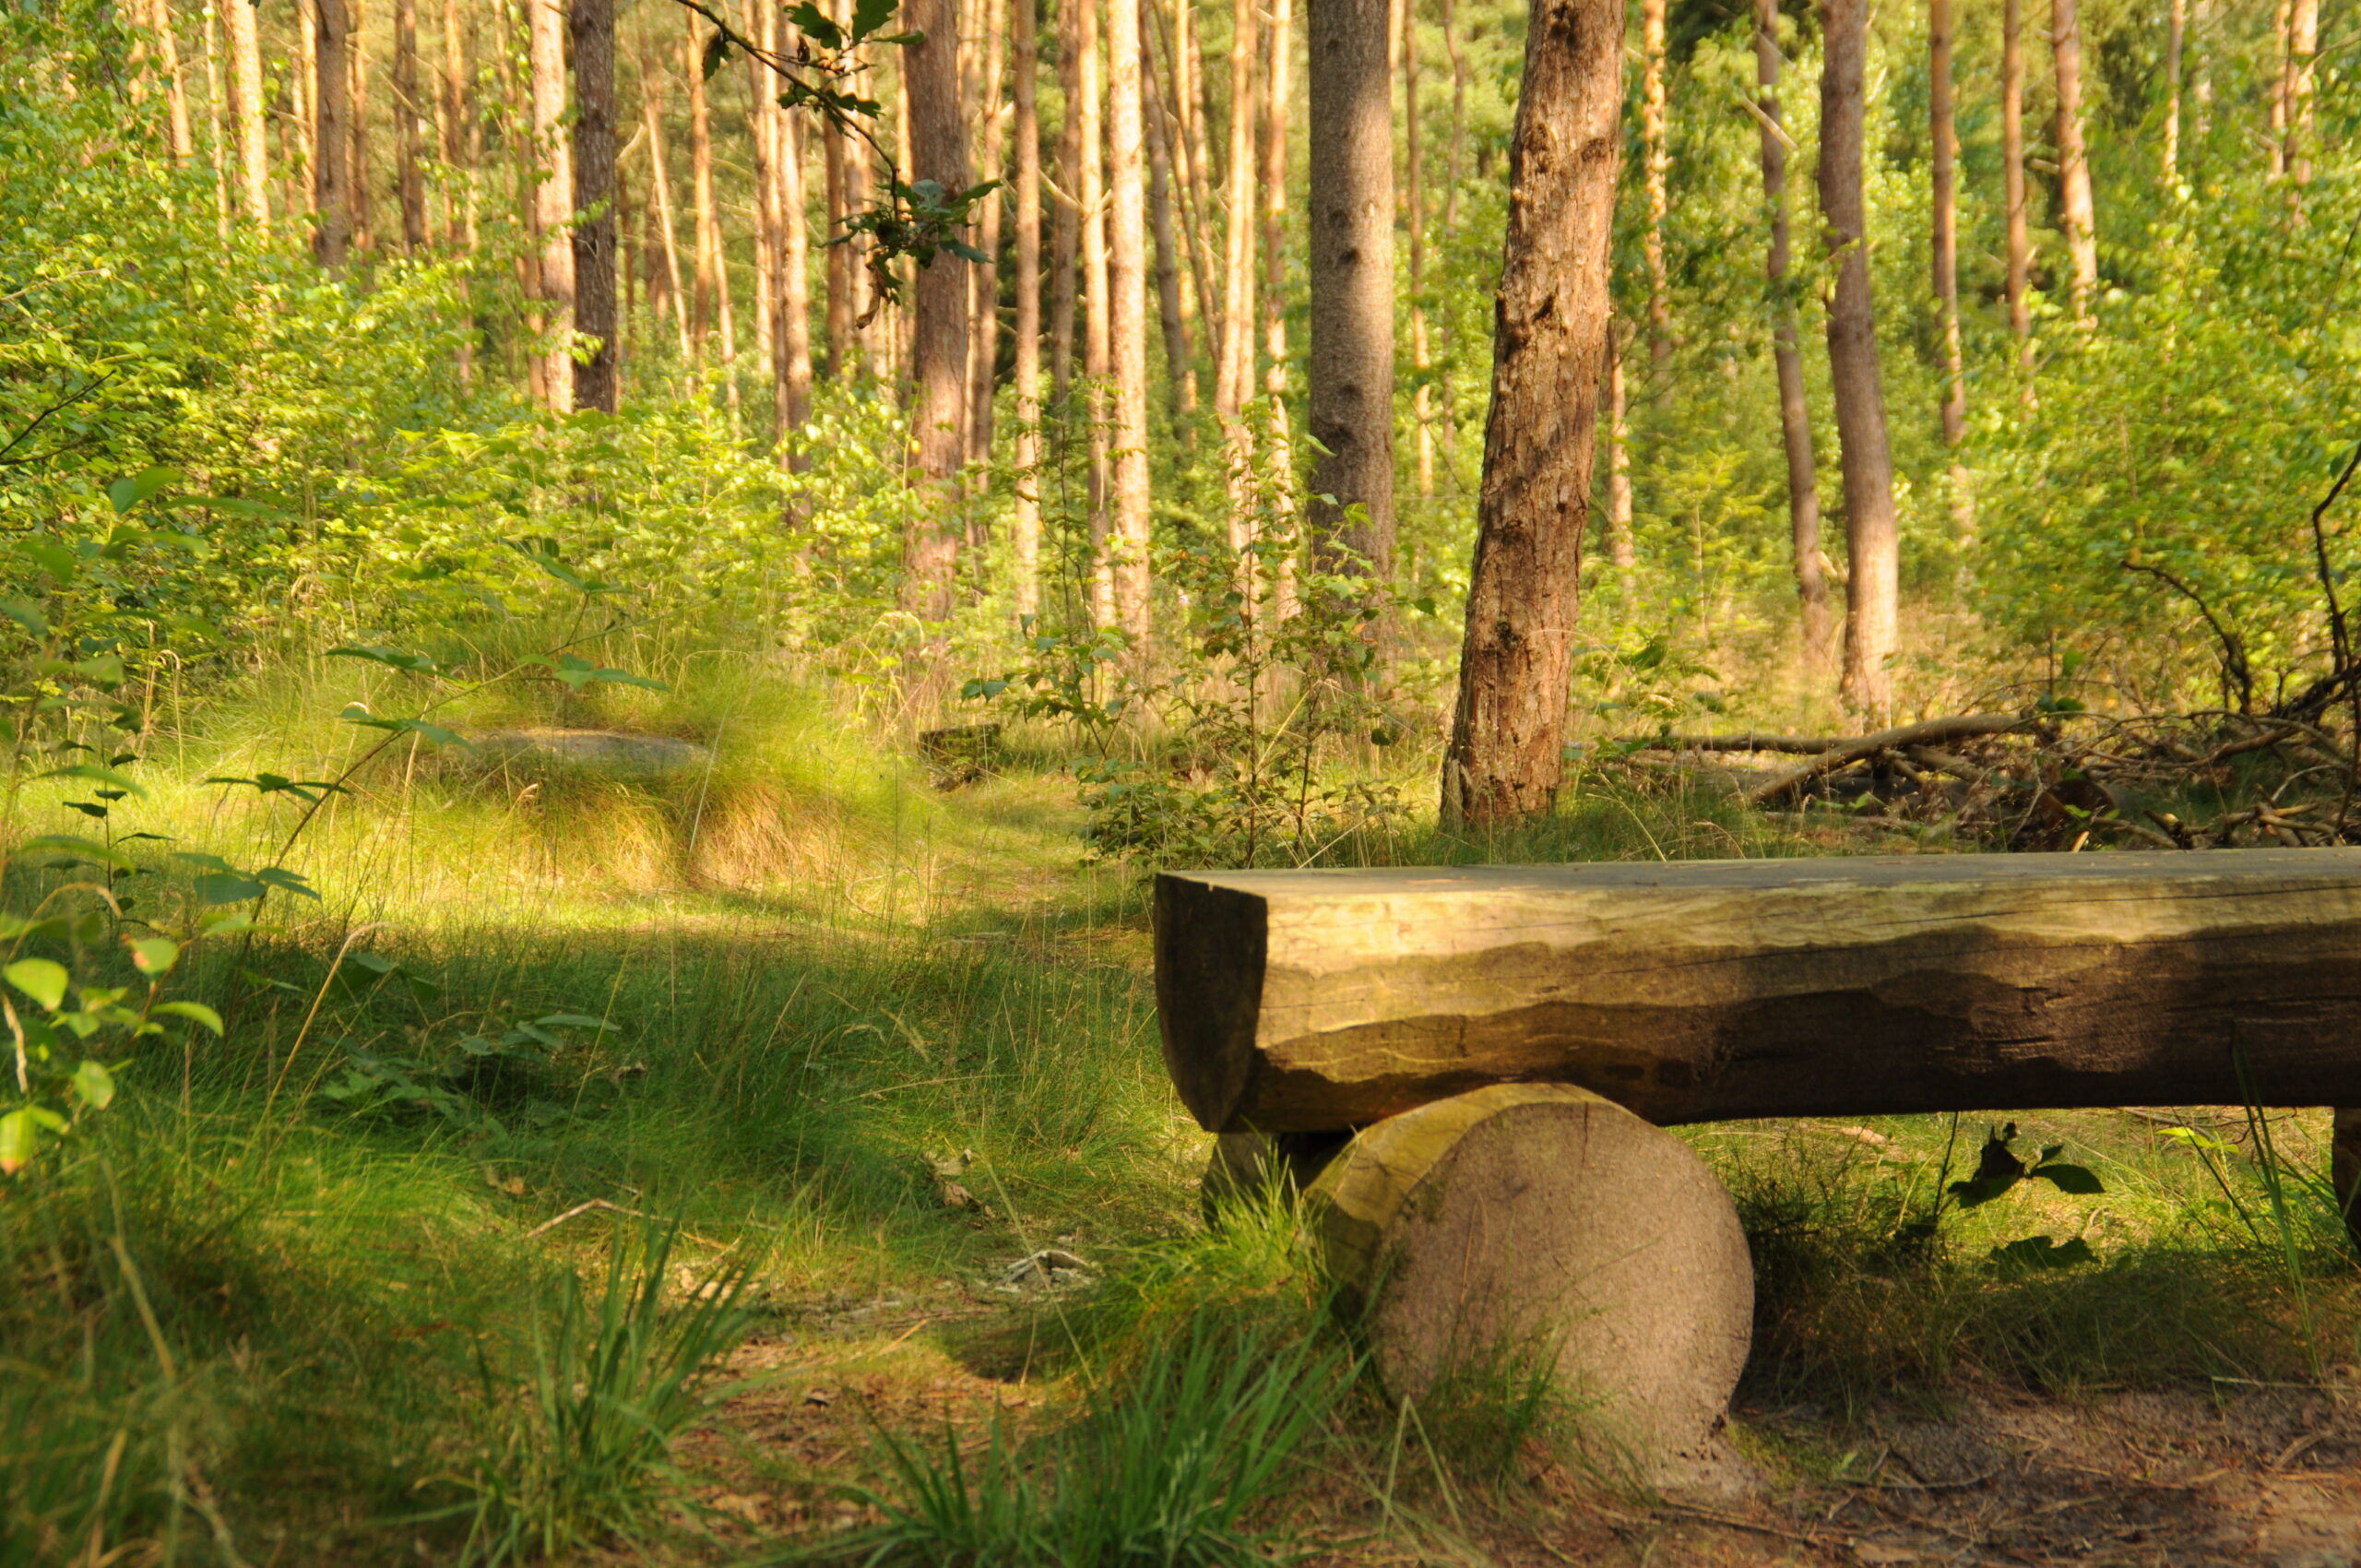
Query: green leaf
(66, 843)
(814, 24)
(94, 1084)
(40, 978)
(868, 15)
(19, 1140)
(2070, 1178)
(97, 774)
(287, 881)
(26, 613)
(434, 734)
(154, 956)
(227, 887)
(574, 1021)
(391, 658)
(126, 493)
(197, 1010)
(55, 559)
(716, 54)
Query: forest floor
(887, 1042)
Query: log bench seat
(1470, 1067)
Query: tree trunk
(245, 78)
(596, 379)
(835, 149)
(303, 89)
(1794, 416)
(364, 215)
(1279, 442)
(762, 142)
(1548, 364)
(458, 170)
(1098, 317)
(2013, 181)
(1756, 989)
(1065, 219)
(794, 373)
(2303, 43)
(331, 178)
(1658, 167)
(2174, 18)
(168, 52)
(1180, 357)
(1872, 583)
(1414, 202)
(2073, 160)
(2283, 82)
(553, 200)
(939, 341)
(409, 138)
(217, 125)
(707, 300)
(1234, 371)
(1621, 552)
(1024, 509)
(1943, 138)
(1350, 373)
(1192, 184)
(983, 321)
(651, 108)
(1127, 297)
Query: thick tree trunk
(1350, 373)
(1548, 363)
(2074, 158)
(939, 342)
(598, 381)
(1192, 181)
(1234, 370)
(1127, 318)
(410, 150)
(1294, 1002)
(1657, 165)
(1872, 581)
(331, 178)
(1795, 415)
(1025, 508)
(245, 80)
(2013, 183)
(2174, 12)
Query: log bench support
(1507, 1043)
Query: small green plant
(584, 1453)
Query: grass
(307, 1295)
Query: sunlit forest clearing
(608, 613)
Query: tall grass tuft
(584, 1454)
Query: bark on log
(1306, 1001)
(1534, 1222)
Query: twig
(581, 1210)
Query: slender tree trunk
(598, 378)
(2174, 12)
(2012, 178)
(168, 59)
(2283, 83)
(1098, 317)
(651, 108)
(356, 60)
(1943, 138)
(707, 300)
(2200, 86)
(1193, 184)
(1234, 373)
(1794, 416)
(1351, 198)
(983, 321)
(1279, 439)
(1065, 219)
(939, 346)
(217, 124)
(332, 179)
(1024, 510)
(1550, 340)
(2303, 44)
(1415, 225)
(1872, 543)
(245, 80)
(409, 137)
(794, 377)
(303, 88)
(1180, 357)
(458, 173)
(1657, 153)
(1127, 321)
(1622, 554)
(552, 199)
(834, 151)
(762, 140)
(2073, 160)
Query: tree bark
(1127, 319)
(1172, 305)
(835, 149)
(1872, 581)
(1350, 373)
(2283, 82)
(553, 200)
(168, 59)
(363, 215)
(1943, 138)
(1065, 219)
(712, 297)
(762, 142)
(1098, 317)
(1795, 415)
(1621, 552)
(245, 80)
(331, 178)
(1025, 508)
(597, 378)
(651, 108)
(410, 150)
(1234, 370)
(1413, 208)
(1658, 167)
(2073, 160)
(1548, 363)
(2174, 18)
(2303, 44)
(793, 374)
(217, 125)
(458, 169)
(983, 322)
(939, 342)
(1764, 988)
(1278, 439)
(2012, 180)
(1545, 1219)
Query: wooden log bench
(1471, 1068)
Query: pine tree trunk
(707, 302)
(1871, 544)
(332, 179)
(1127, 320)
(217, 125)
(303, 118)
(1065, 219)
(2174, 26)
(1943, 138)
(2283, 82)
(168, 59)
(1794, 416)
(1414, 225)
(1350, 373)
(834, 151)
(1024, 509)
(939, 342)
(363, 211)
(245, 80)
(2303, 43)
(983, 321)
(2013, 195)
(2073, 160)
(1097, 313)
(762, 141)
(1279, 440)
(409, 139)
(1622, 554)
(598, 381)
(651, 108)
(1550, 319)
(458, 170)
(1179, 357)
(1234, 372)
(1658, 169)
(553, 200)
(1192, 182)
(794, 376)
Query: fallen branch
(1926, 732)
(1750, 741)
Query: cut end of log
(1534, 1222)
